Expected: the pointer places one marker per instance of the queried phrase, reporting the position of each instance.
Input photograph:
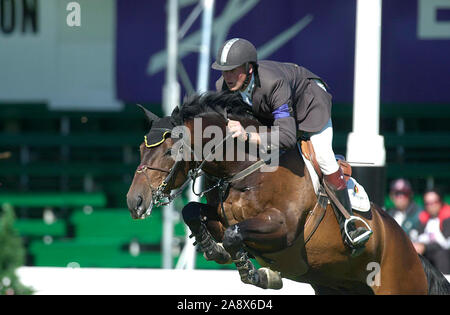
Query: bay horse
(274, 216)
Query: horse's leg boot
(263, 277)
(358, 236)
(210, 248)
(246, 269)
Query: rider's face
(235, 78)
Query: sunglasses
(430, 203)
(400, 193)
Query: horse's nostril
(139, 201)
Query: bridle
(158, 194)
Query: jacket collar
(247, 94)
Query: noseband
(158, 194)
(143, 167)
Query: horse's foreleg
(201, 221)
(266, 230)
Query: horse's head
(157, 173)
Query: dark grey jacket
(287, 88)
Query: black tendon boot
(211, 249)
(355, 238)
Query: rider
(294, 99)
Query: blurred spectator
(405, 210)
(434, 241)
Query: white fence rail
(111, 281)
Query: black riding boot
(338, 186)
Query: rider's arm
(280, 99)
(283, 136)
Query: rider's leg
(198, 217)
(322, 143)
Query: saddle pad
(358, 196)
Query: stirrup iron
(361, 238)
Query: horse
(274, 216)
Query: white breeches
(322, 142)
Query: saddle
(308, 151)
(358, 197)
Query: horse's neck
(298, 173)
(225, 169)
(181, 175)
(225, 163)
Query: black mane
(216, 103)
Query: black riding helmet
(234, 53)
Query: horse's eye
(168, 152)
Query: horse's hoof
(270, 279)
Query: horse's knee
(191, 211)
(191, 215)
(232, 239)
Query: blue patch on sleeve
(281, 112)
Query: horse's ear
(150, 116)
(176, 111)
(175, 117)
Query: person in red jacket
(434, 241)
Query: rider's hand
(236, 129)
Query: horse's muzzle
(137, 207)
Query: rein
(222, 184)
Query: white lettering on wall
(74, 17)
(428, 27)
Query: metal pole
(205, 46)
(367, 68)
(364, 144)
(189, 253)
(171, 98)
